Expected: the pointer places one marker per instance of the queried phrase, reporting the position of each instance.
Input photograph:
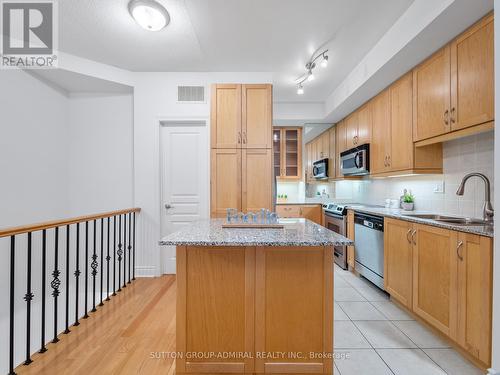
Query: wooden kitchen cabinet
(359, 127)
(287, 153)
(380, 146)
(340, 146)
(435, 277)
(225, 181)
(398, 260)
(309, 161)
(312, 212)
(257, 180)
(351, 259)
(241, 116)
(324, 152)
(351, 129)
(332, 159)
(475, 257)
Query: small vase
(407, 206)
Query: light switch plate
(439, 187)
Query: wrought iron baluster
(66, 331)
(114, 255)
(77, 273)
(43, 349)
(120, 252)
(133, 250)
(129, 247)
(124, 250)
(86, 269)
(11, 313)
(55, 282)
(94, 266)
(28, 297)
(102, 257)
(108, 258)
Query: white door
(184, 180)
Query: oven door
(337, 224)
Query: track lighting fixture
(309, 75)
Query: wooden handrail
(59, 223)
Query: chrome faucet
(487, 207)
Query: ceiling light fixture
(149, 14)
(309, 75)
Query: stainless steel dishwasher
(369, 247)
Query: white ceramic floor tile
(347, 294)
(338, 313)
(421, 335)
(347, 336)
(384, 335)
(373, 293)
(391, 310)
(410, 362)
(339, 282)
(335, 371)
(361, 311)
(452, 362)
(357, 281)
(361, 362)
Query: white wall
(33, 148)
(100, 153)
(155, 98)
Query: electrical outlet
(439, 187)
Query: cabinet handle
(244, 137)
(300, 211)
(413, 236)
(408, 236)
(459, 246)
(389, 160)
(239, 137)
(453, 115)
(385, 161)
(357, 139)
(446, 117)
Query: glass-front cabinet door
(287, 147)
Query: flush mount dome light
(149, 14)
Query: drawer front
(288, 210)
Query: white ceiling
(233, 35)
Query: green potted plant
(408, 201)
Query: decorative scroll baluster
(11, 313)
(129, 247)
(133, 265)
(66, 331)
(114, 256)
(124, 250)
(94, 266)
(102, 257)
(28, 297)
(86, 269)
(108, 258)
(77, 273)
(120, 252)
(55, 282)
(43, 349)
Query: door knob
(167, 206)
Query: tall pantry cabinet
(241, 148)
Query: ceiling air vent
(190, 94)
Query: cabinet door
(292, 153)
(288, 211)
(226, 116)
(332, 166)
(325, 145)
(309, 162)
(431, 96)
(474, 255)
(472, 76)
(435, 277)
(257, 116)
(401, 152)
(398, 260)
(351, 129)
(256, 180)
(225, 181)
(340, 141)
(381, 133)
(311, 212)
(350, 235)
(364, 125)
(277, 156)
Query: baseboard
(146, 271)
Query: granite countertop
(297, 232)
(482, 230)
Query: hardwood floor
(128, 335)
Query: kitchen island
(254, 300)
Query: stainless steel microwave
(356, 161)
(320, 169)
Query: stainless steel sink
(451, 219)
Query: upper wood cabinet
(398, 260)
(351, 129)
(454, 89)
(380, 147)
(359, 127)
(287, 152)
(256, 180)
(332, 165)
(241, 116)
(309, 161)
(324, 152)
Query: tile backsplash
(462, 156)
